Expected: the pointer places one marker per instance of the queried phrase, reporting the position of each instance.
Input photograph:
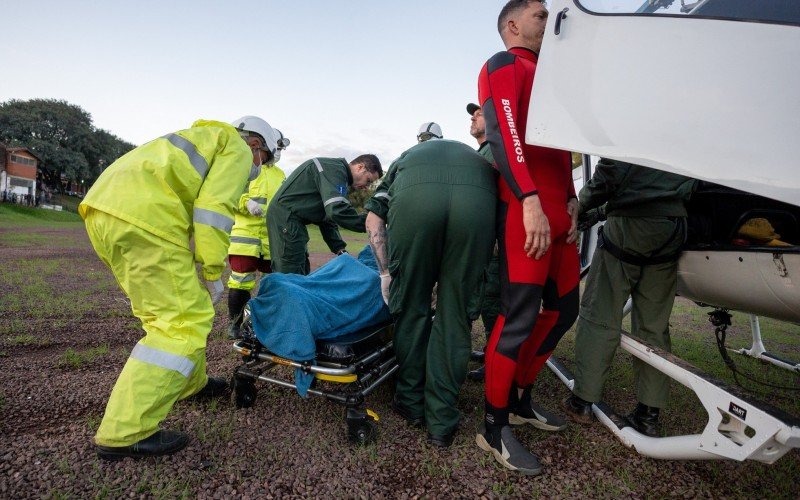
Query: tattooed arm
(376, 230)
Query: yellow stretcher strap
(340, 379)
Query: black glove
(589, 218)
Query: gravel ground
(51, 404)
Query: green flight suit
(315, 193)
(439, 200)
(485, 302)
(646, 219)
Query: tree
(358, 197)
(63, 136)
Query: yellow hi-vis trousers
(169, 363)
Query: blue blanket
(291, 311)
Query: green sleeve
(330, 233)
(337, 206)
(608, 175)
(379, 203)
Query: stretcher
(346, 370)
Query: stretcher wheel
(361, 428)
(364, 433)
(244, 391)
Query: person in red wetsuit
(536, 229)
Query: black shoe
(160, 443)
(477, 356)
(578, 410)
(441, 441)
(214, 388)
(501, 443)
(537, 416)
(477, 374)
(645, 419)
(413, 421)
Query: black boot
(523, 410)
(578, 410)
(215, 387)
(163, 442)
(645, 419)
(237, 299)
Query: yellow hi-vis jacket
(180, 185)
(249, 235)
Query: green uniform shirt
(485, 151)
(635, 191)
(316, 193)
(417, 163)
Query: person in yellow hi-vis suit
(249, 250)
(140, 216)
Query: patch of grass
(10, 240)
(57, 494)
(2, 401)
(16, 214)
(68, 203)
(37, 298)
(355, 241)
(93, 422)
(504, 489)
(154, 484)
(75, 359)
(25, 339)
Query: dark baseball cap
(472, 108)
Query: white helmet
(429, 130)
(256, 125)
(282, 142)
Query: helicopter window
(770, 11)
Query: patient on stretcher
(291, 311)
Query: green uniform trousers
(485, 302)
(608, 286)
(288, 243)
(438, 232)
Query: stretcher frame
(355, 380)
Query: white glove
(254, 208)
(215, 290)
(386, 279)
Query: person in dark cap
(486, 300)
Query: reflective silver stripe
(259, 199)
(336, 199)
(317, 163)
(245, 240)
(382, 195)
(196, 159)
(242, 277)
(213, 219)
(180, 364)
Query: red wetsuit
(523, 337)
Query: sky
(338, 77)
